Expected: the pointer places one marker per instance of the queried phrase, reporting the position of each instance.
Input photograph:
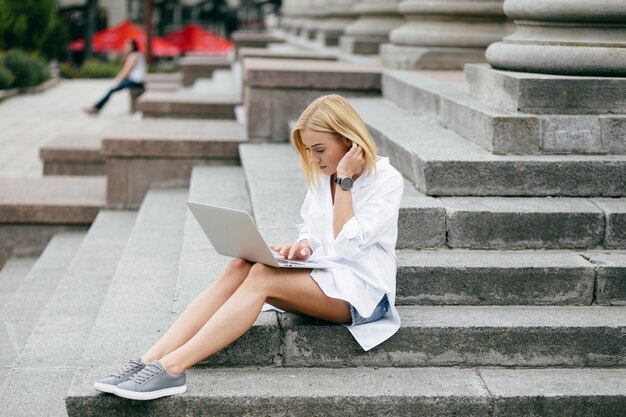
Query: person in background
(132, 75)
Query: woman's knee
(236, 269)
(258, 275)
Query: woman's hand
(352, 163)
(300, 251)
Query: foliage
(6, 77)
(32, 25)
(28, 70)
(92, 68)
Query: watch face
(346, 183)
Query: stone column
(289, 15)
(338, 15)
(313, 13)
(445, 34)
(376, 19)
(568, 37)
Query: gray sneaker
(108, 384)
(152, 382)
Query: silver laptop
(233, 233)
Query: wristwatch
(345, 183)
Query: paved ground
(29, 121)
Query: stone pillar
(445, 34)
(338, 14)
(312, 14)
(289, 15)
(567, 37)
(376, 19)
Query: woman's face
(128, 47)
(325, 150)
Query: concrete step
(51, 200)
(56, 344)
(475, 277)
(501, 131)
(375, 392)
(284, 54)
(245, 39)
(163, 151)
(22, 310)
(13, 273)
(454, 222)
(290, 85)
(523, 336)
(223, 83)
(442, 163)
(73, 155)
(138, 305)
(194, 68)
(200, 265)
(32, 210)
(187, 105)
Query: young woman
(132, 75)
(350, 218)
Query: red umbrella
(113, 40)
(192, 38)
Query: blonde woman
(350, 217)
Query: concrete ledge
(441, 162)
(186, 105)
(174, 139)
(433, 392)
(196, 67)
(523, 223)
(498, 130)
(440, 58)
(265, 53)
(471, 277)
(51, 200)
(543, 93)
(128, 179)
(244, 39)
(277, 91)
(162, 152)
(73, 155)
(469, 336)
(304, 392)
(310, 74)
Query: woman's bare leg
(200, 310)
(293, 290)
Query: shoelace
(145, 374)
(128, 368)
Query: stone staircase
(480, 327)
(511, 270)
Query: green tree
(28, 25)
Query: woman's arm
(350, 165)
(126, 69)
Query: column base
(361, 45)
(546, 94)
(415, 57)
(328, 38)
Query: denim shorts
(380, 310)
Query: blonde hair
(332, 114)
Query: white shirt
(138, 72)
(363, 255)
